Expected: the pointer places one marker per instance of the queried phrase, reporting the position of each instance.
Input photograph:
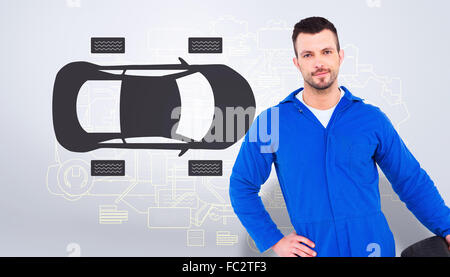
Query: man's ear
(341, 56)
(296, 63)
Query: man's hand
(447, 238)
(293, 245)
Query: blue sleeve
(251, 170)
(413, 185)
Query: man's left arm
(411, 182)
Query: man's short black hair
(313, 25)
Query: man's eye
(328, 52)
(306, 55)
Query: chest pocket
(362, 163)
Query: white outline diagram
(156, 186)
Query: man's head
(317, 52)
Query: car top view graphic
(147, 104)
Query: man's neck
(321, 99)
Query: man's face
(318, 59)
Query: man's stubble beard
(321, 87)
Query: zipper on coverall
(326, 129)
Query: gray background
(402, 45)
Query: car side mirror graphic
(147, 104)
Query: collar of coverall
(347, 95)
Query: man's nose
(318, 62)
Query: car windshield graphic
(197, 106)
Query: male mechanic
(329, 143)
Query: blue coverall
(329, 178)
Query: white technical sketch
(226, 238)
(195, 238)
(109, 214)
(156, 186)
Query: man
(328, 146)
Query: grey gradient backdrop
(407, 40)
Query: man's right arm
(250, 171)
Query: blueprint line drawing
(226, 238)
(157, 188)
(109, 214)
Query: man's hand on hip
(294, 245)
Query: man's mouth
(321, 73)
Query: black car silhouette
(146, 104)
